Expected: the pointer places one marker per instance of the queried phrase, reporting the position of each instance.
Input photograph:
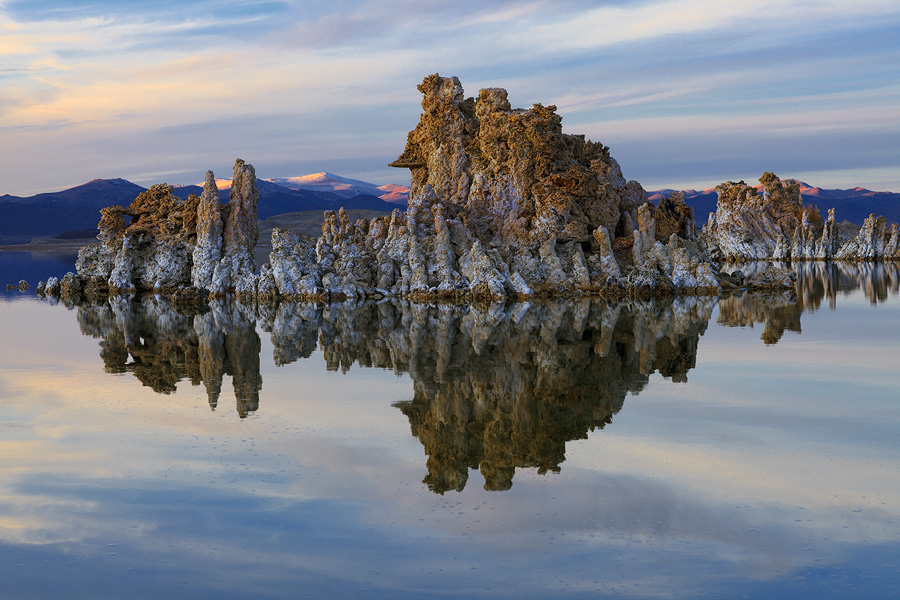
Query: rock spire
(161, 243)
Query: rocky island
(503, 206)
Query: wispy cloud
(113, 72)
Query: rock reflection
(817, 283)
(162, 346)
(511, 394)
(500, 387)
(496, 387)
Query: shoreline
(47, 244)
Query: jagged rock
(51, 288)
(502, 205)
(661, 269)
(875, 241)
(166, 244)
(235, 271)
(207, 253)
(771, 279)
(673, 216)
(747, 226)
(71, 287)
(514, 170)
(778, 226)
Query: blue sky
(687, 93)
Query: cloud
(307, 70)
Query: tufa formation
(502, 205)
(778, 226)
(164, 244)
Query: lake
(743, 447)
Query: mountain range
(77, 209)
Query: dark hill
(50, 214)
(27, 220)
(94, 194)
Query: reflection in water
(819, 280)
(778, 313)
(514, 397)
(499, 387)
(816, 282)
(496, 387)
(162, 346)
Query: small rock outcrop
(161, 243)
(778, 226)
(875, 240)
(502, 205)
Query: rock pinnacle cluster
(160, 243)
(777, 225)
(503, 206)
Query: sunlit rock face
(513, 170)
(502, 205)
(161, 346)
(875, 240)
(163, 243)
(777, 225)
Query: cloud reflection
(115, 490)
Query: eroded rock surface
(777, 225)
(502, 205)
(161, 243)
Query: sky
(686, 93)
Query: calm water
(739, 448)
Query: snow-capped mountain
(344, 187)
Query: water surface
(742, 447)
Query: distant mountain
(94, 194)
(276, 199)
(852, 205)
(78, 208)
(344, 187)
